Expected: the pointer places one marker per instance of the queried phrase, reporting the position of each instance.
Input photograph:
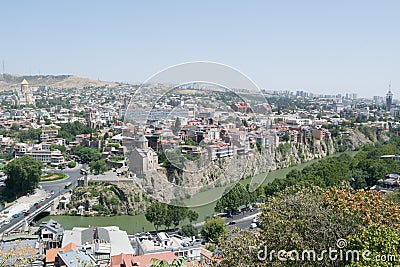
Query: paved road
(58, 187)
(245, 222)
(242, 220)
(19, 222)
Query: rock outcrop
(171, 182)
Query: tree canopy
(312, 218)
(98, 166)
(156, 213)
(31, 135)
(86, 154)
(168, 214)
(188, 230)
(236, 197)
(214, 228)
(69, 131)
(361, 171)
(23, 175)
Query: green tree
(86, 154)
(23, 175)
(98, 166)
(177, 214)
(214, 228)
(301, 218)
(15, 127)
(167, 221)
(70, 130)
(286, 137)
(30, 135)
(156, 213)
(58, 147)
(371, 206)
(380, 241)
(192, 216)
(240, 248)
(394, 197)
(191, 142)
(231, 201)
(71, 164)
(188, 230)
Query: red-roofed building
(240, 107)
(128, 260)
(51, 254)
(207, 258)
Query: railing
(13, 226)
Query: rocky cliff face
(170, 183)
(166, 184)
(108, 199)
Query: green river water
(138, 223)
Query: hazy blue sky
(320, 46)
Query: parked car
(16, 215)
(38, 206)
(236, 212)
(232, 222)
(253, 226)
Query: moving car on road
(67, 185)
(253, 226)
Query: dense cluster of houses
(213, 130)
(50, 245)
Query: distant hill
(11, 81)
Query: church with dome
(23, 96)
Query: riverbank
(138, 223)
